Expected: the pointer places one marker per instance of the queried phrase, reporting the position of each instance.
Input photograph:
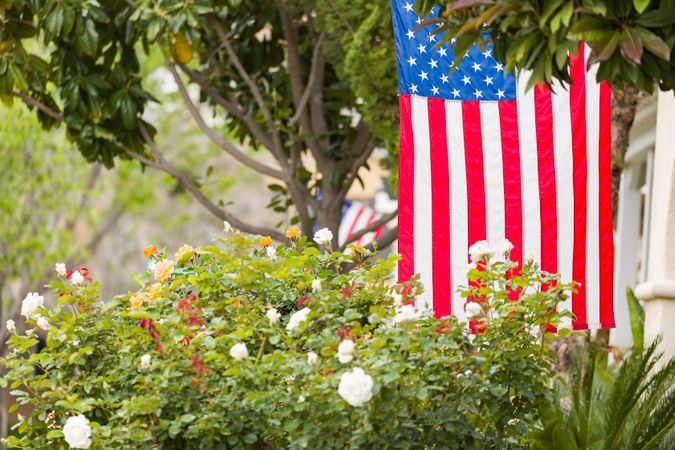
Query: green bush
(214, 354)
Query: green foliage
(637, 320)
(435, 384)
(629, 407)
(40, 194)
(632, 40)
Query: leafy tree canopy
(632, 40)
(289, 76)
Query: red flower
(200, 367)
(149, 325)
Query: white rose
(398, 300)
(473, 310)
(145, 361)
(77, 432)
(273, 316)
(356, 387)
(42, 323)
(345, 352)
(297, 318)
(530, 257)
(348, 251)
(77, 279)
(480, 251)
(324, 237)
(226, 227)
(31, 303)
(316, 285)
(61, 269)
(239, 352)
(312, 359)
(405, 313)
(504, 246)
(271, 253)
(11, 326)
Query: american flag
(482, 158)
(357, 216)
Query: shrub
(243, 345)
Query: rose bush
(225, 346)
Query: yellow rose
(292, 233)
(163, 270)
(183, 251)
(265, 241)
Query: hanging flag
(481, 158)
(357, 216)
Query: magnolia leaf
(653, 43)
(631, 46)
(640, 5)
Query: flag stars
(433, 63)
(455, 92)
(409, 7)
(476, 66)
(500, 94)
(432, 37)
(410, 34)
(478, 94)
(499, 67)
(413, 88)
(412, 61)
(487, 53)
(443, 51)
(422, 48)
(424, 75)
(444, 78)
(488, 80)
(466, 80)
(434, 90)
(418, 21)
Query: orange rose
(292, 233)
(154, 291)
(185, 249)
(265, 241)
(149, 251)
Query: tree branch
(216, 137)
(27, 99)
(387, 238)
(370, 228)
(310, 82)
(231, 105)
(161, 164)
(277, 149)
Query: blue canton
(424, 66)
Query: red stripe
(605, 204)
(580, 178)
(406, 193)
(440, 211)
(513, 202)
(378, 233)
(475, 173)
(352, 227)
(548, 206)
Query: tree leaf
(637, 319)
(661, 17)
(640, 5)
(654, 44)
(88, 38)
(128, 112)
(631, 46)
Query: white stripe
(593, 199)
(362, 222)
(423, 234)
(347, 221)
(494, 172)
(529, 172)
(562, 144)
(459, 247)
